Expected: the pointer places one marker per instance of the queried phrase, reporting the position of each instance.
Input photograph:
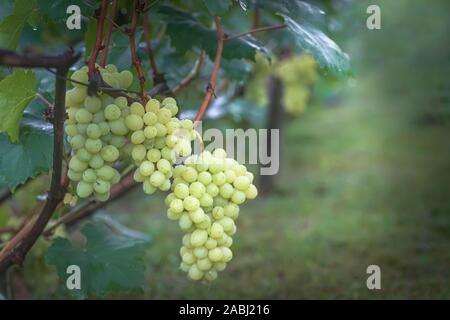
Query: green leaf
(16, 92)
(30, 156)
(111, 260)
(11, 27)
(217, 7)
(326, 52)
(186, 32)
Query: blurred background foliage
(365, 155)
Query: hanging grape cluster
(206, 193)
(96, 131)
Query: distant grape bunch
(206, 190)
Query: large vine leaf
(187, 32)
(11, 27)
(217, 7)
(16, 92)
(305, 21)
(111, 260)
(30, 156)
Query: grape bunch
(158, 137)
(206, 193)
(96, 131)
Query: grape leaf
(311, 39)
(16, 92)
(11, 27)
(186, 32)
(30, 156)
(111, 260)
(217, 7)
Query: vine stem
(255, 30)
(98, 38)
(134, 57)
(215, 74)
(15, 251)
(112, 15)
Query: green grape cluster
(158, 137)
(206, 193)
(298, 74)
(96, 131)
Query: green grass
(358, 186)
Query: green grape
(238, 197)
(210, 244)
(157, 179)
(134, 122)
(198, 238)
(101, 186)
(138, 153)
(226, 190)
(125, 79)
(200, 252)
(206, 200)
(106, 173)
(109, 153)
(218, 213)
(152, 105)
(197, 189)
(104, 128)
(148, 187)
(137, 137)
(219, 178)
(93, 131)
(74, 175)
(189, 174)
(96, 161)
(190, 203)
(71, 130)
(84, 189)
(185, 222)
(112, 112)
(146, 168)
(205, 178)
(118, 127)
(93, 145)
(251, 192)
(92, 104)
(150, 132)
(150, 118)
(153, 155)
(212, 190)
(79, 76)
(83, 116)
(241, 183)
(197, 215)
(98, 117)
(77, 165)
(77, 141)
(176, 205)
(215, 255)
(216, 231)
(211, 275)
(137, 176)
(231, 210)
(164, 115)
(121, 102)
(164, 166)
(137, 109)
(227, 254)
(89, 176)
(181, 191)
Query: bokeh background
(364, 179)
